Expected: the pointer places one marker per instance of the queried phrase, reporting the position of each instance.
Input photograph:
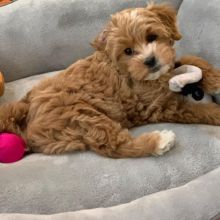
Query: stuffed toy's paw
(1, 84)
(185, 74)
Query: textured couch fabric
(199, 22)
(47, 35)
(196, 200)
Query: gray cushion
(199, 22)
(45, 35)
(197, 200)
(52, 184)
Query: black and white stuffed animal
(186, 81)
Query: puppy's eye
(151, 38)
(129, 51)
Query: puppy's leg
(13, 117)
(85, 128)
(211, 76)
(192, 113)
(119, 143)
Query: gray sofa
(40, 36)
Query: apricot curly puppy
(124, 83)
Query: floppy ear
(167, 15)
(100, 41)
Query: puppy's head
(140, 41)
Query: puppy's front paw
(166, 142)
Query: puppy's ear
(101, 40)
(167, 15)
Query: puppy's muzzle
(152, 63)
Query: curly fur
(91, 104)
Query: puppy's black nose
(150, 61)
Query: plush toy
(12, 148)
(5, 2)
(186, 81)
(1, 84)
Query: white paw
(166, 142)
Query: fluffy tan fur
(91, 104)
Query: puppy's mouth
(157, 71)
(155, 68)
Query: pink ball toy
(12, 148)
